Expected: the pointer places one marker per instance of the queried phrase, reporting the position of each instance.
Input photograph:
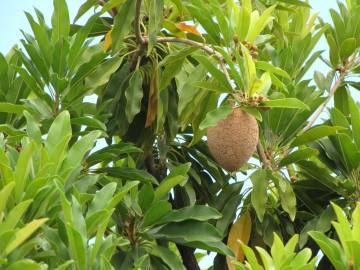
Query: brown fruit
(233, 140)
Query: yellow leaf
(240, 230)
(187, 28)
(24, 233)
(107, 43)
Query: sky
(12, 18)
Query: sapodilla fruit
(233, 140)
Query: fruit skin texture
(233, 140)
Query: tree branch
(266, 164)
(336, 86)
(202, 46)
(137, 25)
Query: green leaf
(172, 64)
(93, 220)
(228, 213)
(354, 247)
(60, 21)
(287, 195)
(177, 176)
(84, 8)
(14, 216)
(102, 72)
(117, 198)
(214, 116)
(129, 174)
(298, 155)
(195, 212)
(261, 86)
(250, 69)
(11, 131)
(88, 122)
(315, 133)
(82, 73)
(253, 111)
(331, 249)
(77, 152)
(291, 103)
(213, 86)
(65, 265)
(342, 227)
(168, 257)
(22, 169)
(80, 37)
(78, 220)
(33, 84)
(32, 128)
(5, 194)
(355, 219)
(157, 211)
(145, 197)
(11, 108)
(24, 233)
(201, 13)
(320, 80)
(122, 23)
(295, 2)
(272, 69)
(60, 129)
(24, 264)
(260, 24)
(214, 71)
(244, 19)
(226, 30)
(347, 48)
(259, 196)
(355, 120)
(266, 259)
(41, 37)
(99, 240)
(312, 171)
(251, 257)
(102, 198)
(134, 94)
(111, 4)
(334, 50)
(194, 234)
(112, 152)
(77, 247)
(155, 21)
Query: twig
(202, 46)
(138, 35)
(137, 26)
(336, 86)
(264, 160)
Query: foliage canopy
(104, 161)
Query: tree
(104, 157)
